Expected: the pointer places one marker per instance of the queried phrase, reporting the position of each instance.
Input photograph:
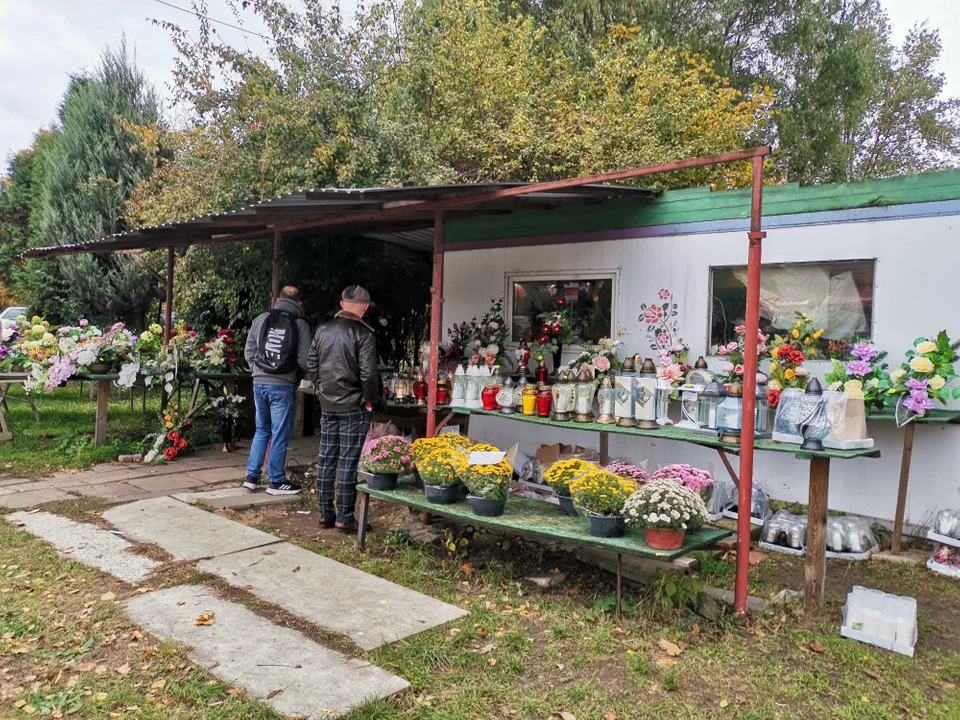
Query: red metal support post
(752, 328)
(436, 315)
(168, 308)
(275, 272)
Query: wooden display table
(7, 381)
(819, 479)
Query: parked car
(13, 312)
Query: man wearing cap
(343, 365)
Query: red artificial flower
(221, 333)
(228, 340)
(187, 328)
(773, 398)
(231, 360)
(180, 445)
(187, 425)
(173, 334)
(797, 357)
(783, 351)
(204, 348)
(170, 453)
(173, 436)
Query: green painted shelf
(526, 516)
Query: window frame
(611, 274)
(711, 268)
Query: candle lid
(628, 366)
(586, 374)
(606, 382)
(735, 390)
(648, 368)
(814, 387)
(700, 364)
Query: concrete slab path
(251, 652)
(186, 532)
(371, 611)
(88, 544)
(236, 498)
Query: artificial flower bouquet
(786, 371)
(863, 376)
(803, 337)
(667, 504)
(170, 441)
(554, 332)
(692, 478)
(922, 380)
(441, 468)
(600, 358)
(386, 455)
(733, 352)
(218, 354)
(563, 472)
(600, 492)
(626, 470)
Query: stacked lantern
(606, 396)
(625, 390)
(563, 396)
(730, 415)
(645, 407)
(585, 390)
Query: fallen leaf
(274, 693)
(563, 715)
(467, 568)
(817, 647)
(136, 635)
(874, 675)
(100, 696)
(485, 649)
(108, 596)
(29, 709)
(246, 587)
(181, 603)
(19, 703)
(672, 649)
(123, 669)
(159, 685)
(666, 662)
(724, 703)
(945, 685)
(205, 618)
(492, 661)
(269, 552)
(233, 692)
(297, 569)
(756, 557)
(611, 715)
(146, 653)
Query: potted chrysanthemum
(560, 475)
(489, 486)
(600, 495)
(440, 473)
(626, 470)
(665, 509)
(382, 459)
(419, 450)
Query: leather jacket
(343, 364)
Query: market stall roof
(401, 216)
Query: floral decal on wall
(663, 328)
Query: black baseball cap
(356, 294)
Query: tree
(90, 172)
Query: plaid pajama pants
(341, 440)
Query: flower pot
(98, 368)
(487, 507)
(566, 505)
(664, 538)
(379, 481)
(606, 526)
(442, 495)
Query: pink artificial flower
(731, 346)
(722, 350)
(84, 323)
(728, 367)
(740, 328)
(601, 364)
(738, 369)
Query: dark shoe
(351, 528)
(327, 524)
(251, 483)
(287, 488)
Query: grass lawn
(523, 652)
(63, 438)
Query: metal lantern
(624, 392)
(645, 408)
(730, 415)
(459, 387)
(690, 406)
(563, 397)
(816, 426)
(764, 413)
(584, 396)
(606, 396)
(713, 394)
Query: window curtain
(831, 301)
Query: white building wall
(917, 292)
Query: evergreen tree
(90, 172)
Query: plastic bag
(532, 472)
(786, 530)
(720, 496)
(850, 536)
(948, 523)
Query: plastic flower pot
(566, 505)
(379, 481)
(98, 368)
(487, 507)
(442, 495)
(606, 526)
(664, 538)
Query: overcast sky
(43, 41)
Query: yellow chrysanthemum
(773, 367)
(796, 334)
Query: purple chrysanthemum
(859, 368)
(914, 384)
(864, 351)
(918, 402)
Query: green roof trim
(676, 207)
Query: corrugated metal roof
(401, 215)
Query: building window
(588, 297)
(838, 296)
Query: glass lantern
(505, 398)
(730, 416)
(624, 393)
(690, 406)
(645, 407)
(664, 391)
(711, 397)
(528, 399)
(459, 387)
(473, 386)
(420, 387)
(584, 396)
(606, 396)
(564, 391)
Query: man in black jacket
(343, 365)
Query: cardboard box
(549, 454)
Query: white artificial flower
(86, 357)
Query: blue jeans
(275, 413)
